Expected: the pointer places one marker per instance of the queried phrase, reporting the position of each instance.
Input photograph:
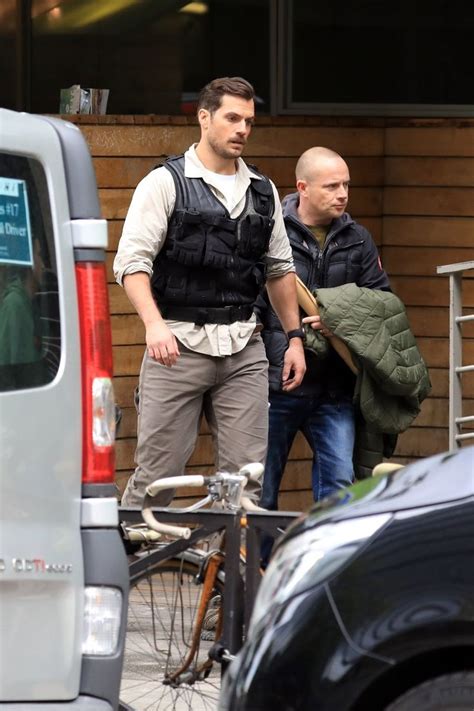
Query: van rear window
(30, 326)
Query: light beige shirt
(145, 230)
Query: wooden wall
(412, 186)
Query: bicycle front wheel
(166, 662)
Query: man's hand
(316, 323)
(294, 365)
(161, 344)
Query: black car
(368, 602)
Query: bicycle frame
(239, 593)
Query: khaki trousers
(233, 391)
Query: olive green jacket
(393, 378)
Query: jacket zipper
(322, 276)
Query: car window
(30, 329)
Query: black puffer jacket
(349, 255)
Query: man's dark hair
(210, 98)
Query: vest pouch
(189, 241)
(219, 249)
(253, 236)
(262, 196)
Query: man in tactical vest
(202, 234)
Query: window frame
(284, 105)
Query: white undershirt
(225, 184)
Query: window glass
(368, 51)
(153, 56)
(30, 337)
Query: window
(154, 57)
(412, 57)
(30, 337)
(356, 57)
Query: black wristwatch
(296, 333)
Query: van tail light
(98, 403)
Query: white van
(63, 569)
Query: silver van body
(57, 536)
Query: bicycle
(177, 590)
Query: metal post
(455, 357)
(233, 587)
(456, 419)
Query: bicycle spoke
(162, 614)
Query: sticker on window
(15, 230)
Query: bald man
(329, 249)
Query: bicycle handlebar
(173, 482)
(251, 471)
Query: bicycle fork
(213, 564)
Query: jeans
(328, 426)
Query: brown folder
(309, 305)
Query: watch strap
(296, 333)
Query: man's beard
(223, 151)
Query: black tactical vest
(210, 268)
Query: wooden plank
(139, 140)
(429, 171)
(124, 452)
(123, 172)
(121, 479)
(434, 321)
(128, 425)
(127, 359)
(364, 170)
(430, 321)
(439, 382)
(115, 230)
(432, 291)
(429, 141)
(123, 389)
(300, 448)
(297, 475)
(284, 140)
(127, 172)
(428, 231)
(454, 202)
(434, 413)
(118, 301)
(127, 329)
(114, 202)
(295, 500)
(422, 261)
(109, 266)
(435, 351)
(165, 140)
(371, 223)
(422, 442)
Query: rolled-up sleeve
(146, 224)
(279, 259)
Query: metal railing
(456, 368)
